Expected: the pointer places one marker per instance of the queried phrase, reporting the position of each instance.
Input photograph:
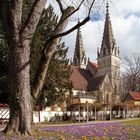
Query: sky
(125, 18)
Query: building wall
(111, 65)
(83, 100)
(106, 90)
(104, 66)
(132, 103)
(137, 103)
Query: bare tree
(131, 75)
(19, 36)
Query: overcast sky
(125, 17)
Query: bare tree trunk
(19, 36)
(20, 97)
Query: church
(96, 82)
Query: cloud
(125, 17)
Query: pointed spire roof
(108, 41)
(79, 47)
(79, 53)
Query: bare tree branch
(91, 7)
(74, 10)
(71, 13)
(77, 25)
(60, 5)
(132, 72)
(71, 30)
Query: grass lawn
(135, 122)
(118, 130)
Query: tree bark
(20, 98)
(19, 36)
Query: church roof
(79, 53)
(79, 78)
(94, 83)
(94, 66)
(108, 45)
(82, 79)
(108, 38)
(79, 48)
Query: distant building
(108, 59)
(132, 102)
(132, 99)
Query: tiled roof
(79, 78)
(135, 95)
(94, 83)
(94, 65)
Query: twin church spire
(108, 46)
(79, 58)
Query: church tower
(79, 58)
(108, 56)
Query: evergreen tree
(57, 79)
(44, 30)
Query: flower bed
(107, 130)
(99, 131)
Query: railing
(4, 113)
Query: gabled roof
(94, 83)
(135, 95)
(94, 66)
(79, 78)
